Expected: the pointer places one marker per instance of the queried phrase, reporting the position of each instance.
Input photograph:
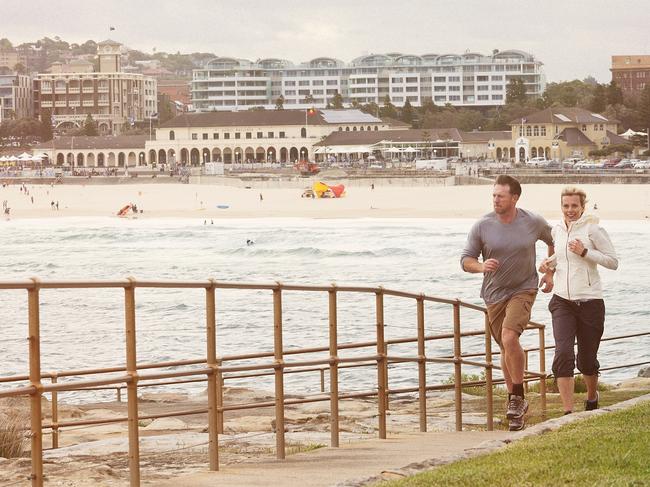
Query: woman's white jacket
(577, 278)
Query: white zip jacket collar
(577, 278)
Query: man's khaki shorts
(513, 313)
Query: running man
(506, 240)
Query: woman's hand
(547, 265)
(576, 246)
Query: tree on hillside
(20, 68)
(644, 108)
(309, 99)
(568, 93)
(516, 91)
(614, 94)
(372, 108)
(5, 43)
(388, 110)
(337, 101)
(279, 103)
(598, 102)
(46, 125)
(407, 112)
(90, 127)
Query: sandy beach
(623, 201)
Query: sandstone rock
(644, 372)
(166, 424)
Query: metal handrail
(215, 369)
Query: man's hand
(546, 282)
(490, 265)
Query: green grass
(608, 450)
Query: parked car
(624, 164)
(538, 162)
(642, 165)
(612, 162)
(582, 165)
(570, 161)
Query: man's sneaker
(590, 405)
(516, 424)
(517, 407)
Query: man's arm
(472, 265)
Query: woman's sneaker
(592, 404)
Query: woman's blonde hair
(572, 191)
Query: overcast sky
(573, 38)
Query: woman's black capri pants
(581, 320)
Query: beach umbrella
(409, 150)
(24, 156)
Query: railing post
(36, 412)
(211, 359)
(279, 372)
(542, 369)
(334, 368)
(488, 375)
(132, 386)
(458, 377)
(381, 364)
(220, 385)
(422, 367)
(55, 415)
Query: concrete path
(355, 460)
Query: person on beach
(577, 307)
(506, 239)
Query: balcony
(88, 89)
(102, 89)
(88, 103)
(74, 91)
(60, 90)
(46, 89)
(74, 103)
(103, 103)
(61, 103)
(46, 104)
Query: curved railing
(278, 363)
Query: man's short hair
(512, 183)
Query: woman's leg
(591, 324)
(564, 333)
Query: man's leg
(514, 355)
(504, 370)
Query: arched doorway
(304, 154)
(185, 156)
(90, 160)
(216, 155)
(195, 157)
(522, 154)
(80, 160)
(270, 155)
(293, 155)
(499, 153)
(121, 159)
(70, 158)
(132, 159)
(547, 152)
(60, 159)
(111, 159)
(249, 155)
(152, 156)
(162, 156)
(227, 155)
(284, 154)
(171, 156)
(533, 152)
(260, 154)
(512, 153)
(100, 159)
(205, 155)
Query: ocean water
(85, 328)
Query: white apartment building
(15, 96)
(469, 79)
(113, 98)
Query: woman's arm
(603, 252)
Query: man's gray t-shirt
(513, 245)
